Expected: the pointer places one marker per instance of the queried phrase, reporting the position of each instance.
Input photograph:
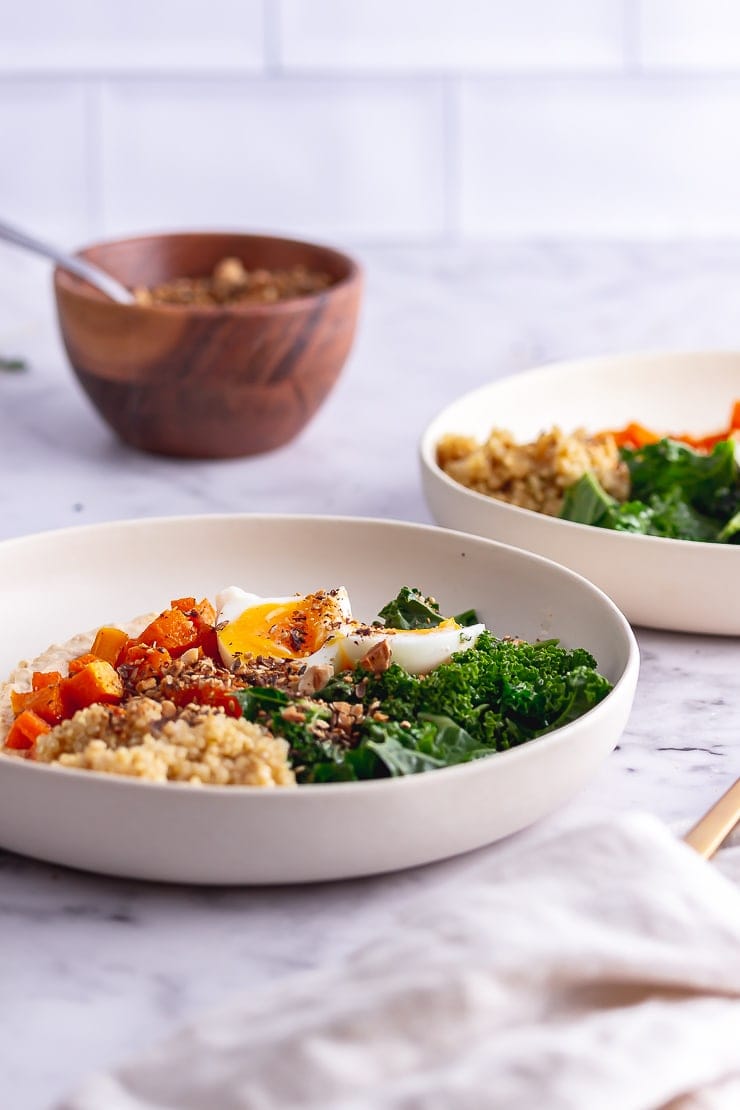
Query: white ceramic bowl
(675, 584)
(59, 583)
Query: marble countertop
(93, 969)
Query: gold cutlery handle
(716, 825)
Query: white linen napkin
(594, 969)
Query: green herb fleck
(13, 365)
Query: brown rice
(533, 475)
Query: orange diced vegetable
(25, 729)
(637, 435)
(19, 700)
(48, 703)
(149, 660)
(98, 681)
(184, 604)
(76, 665)
(108, 644)
(634, 435)
(203, 616)
(201, 612)
(171, 630)
(40, 679)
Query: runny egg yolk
(288, 628)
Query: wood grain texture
(208, 381)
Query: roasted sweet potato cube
(201, 612)
(203, 616)
(171, 630)
(39, 679)
(108, 644)
(48, 703)
(25, 729)
(184, 604)
(78, 664)
(97, 681)
(19, 700)
(149, 660)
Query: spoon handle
(716, 825)
(86, 270)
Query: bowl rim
(430, 437)
(627, 677)
(78, 287)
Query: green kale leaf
(666, 465)
(411, 609)
(586, 501)
(677, 493)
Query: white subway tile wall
(622, 159)
(105, 36)
(46, 144)
(422, 35)
(306, 157)
(372, 120)
(690, 35)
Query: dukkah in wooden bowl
(209, 380)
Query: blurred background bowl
(680, 585)
(208, 381)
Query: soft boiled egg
(417, 650)
(278, 627)
(319, 629)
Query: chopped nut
(293, 714)
(314, 678)
(378, 658)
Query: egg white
(418, 651)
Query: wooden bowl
(207, 381)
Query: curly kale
(411, 610)
(493, 696)
(501, 692)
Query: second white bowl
(661, 583)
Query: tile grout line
(271, 36)
(94, 154)
(637, 76)
(631, 39)
(451, 152)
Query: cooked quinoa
(149, 736)
(137, 739)
(533, 475)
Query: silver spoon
(92, 274)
